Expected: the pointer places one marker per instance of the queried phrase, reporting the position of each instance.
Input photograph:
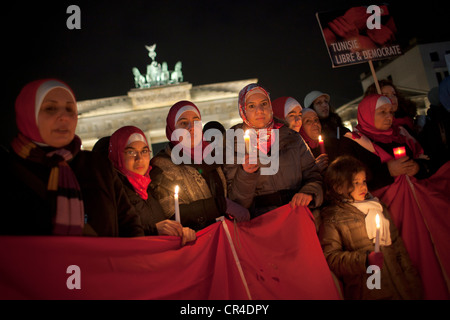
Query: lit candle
(177, 207)
(377, 237)
(247, 142)
(322, 146)
(399, 152)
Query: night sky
(278, 42)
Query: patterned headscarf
(248, 90)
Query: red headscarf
(366, 125)
(366, 120)
(29, 102)
(283, 105)
(172, 117)
(242, 112)
(62, 187)
(117, 145)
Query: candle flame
(400, 151)
(177, 188)
(247, 135)
(377, 220)
(320, 139)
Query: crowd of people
(119, 190)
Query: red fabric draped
(421, 211)
(282, 258)
(279, 253)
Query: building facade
(415, 73)
(422, 67)
(147, 109)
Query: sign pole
(374, 75)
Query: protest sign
(359, 34)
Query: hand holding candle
(322, 146)
(399, 152)
(177, 207)
(377, 237)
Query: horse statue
(139, 79)
(176, 75)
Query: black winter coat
(378, 174)
(150, 211)
(330, 125)
(27, 209)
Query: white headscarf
(289, 105)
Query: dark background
(278, 42)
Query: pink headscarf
(117, 145)
(174, 114)
(366, 125)
(29, 102)
(366, 120)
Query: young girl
(347, 235)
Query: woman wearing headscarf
(202, 186)
(405, 110)
(332, 127)
(289, 110)
(130, 153)
(297, 180)
(375, 138)
(55, 187)
(310, 131)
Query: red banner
(421, 211)
(276, 256)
